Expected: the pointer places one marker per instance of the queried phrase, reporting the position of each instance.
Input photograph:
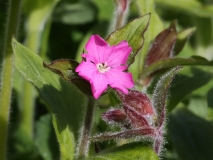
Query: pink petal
(97, 48)
(119, 54)
(120, 80)
(86, 70)
(98, 81)
(99, 84)
(121, 68)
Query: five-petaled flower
(105, 65)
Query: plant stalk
(7, 72)
(27, 114)
(85, 131)
(121, 12)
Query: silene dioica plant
(114, 100)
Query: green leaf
(21, 146)
(184, 85)
(191, 135)
(29, 7)
(198, 106)
(182, 37)
(160, 94)
(38, 13)
(128, 151)
(62, 98)
(78, 13)
(192, 7)
(105, 9)
(37, 25)
(45, 138)
(210, 97)
(64, 67)
(168, 63)
(133, 33)
(203, 36)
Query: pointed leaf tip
(182, 38)
(161, 93)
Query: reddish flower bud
(163, 45)
(114, 115)
(138, 108)
(137, 100)
(120, 16)
(122, 5)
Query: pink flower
(105, 65)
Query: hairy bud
(114, 115)
(138, 108)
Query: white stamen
(102, 67)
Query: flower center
(102, 67)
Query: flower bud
(163, 45)
(114, 115)
(120, 15)
(122, 5)
(138, 108)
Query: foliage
(171, 63)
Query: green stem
(44, 40)
(7, 73)
(28, 92)
(27, 109)
(85, 131)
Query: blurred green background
(56, 29)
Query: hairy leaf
(133, 33)
(168, 63)
(160, 94)
(62, 98)
(184, 85)
(66, 69)
(126, 152)
(45, 138)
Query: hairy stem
(120, 15)
(85, 131)
(119, 20)
(158, 141)
(7, 72)
(125, 134)
(121, 12)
